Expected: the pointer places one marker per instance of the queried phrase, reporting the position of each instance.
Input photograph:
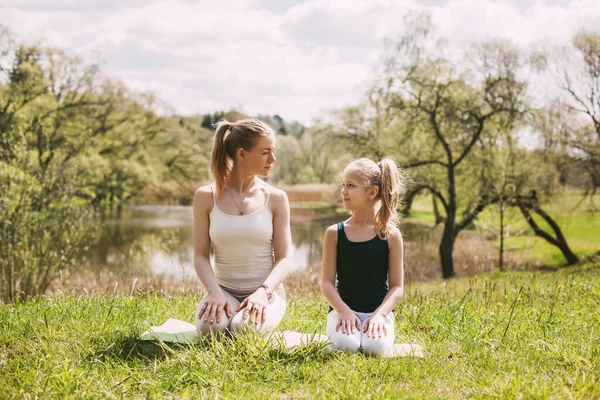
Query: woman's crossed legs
(273, 315)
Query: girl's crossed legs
(359, 339)
(274, 314)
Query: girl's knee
(341, 341)
(376, 347)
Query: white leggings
(359, 340)
(275, 310)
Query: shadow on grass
(585, 265)
(130, 349)
(308, 352)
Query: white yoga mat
(177, 331)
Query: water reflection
(157, 240)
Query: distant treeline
(73, 140)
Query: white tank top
(243, 248)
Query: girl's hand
(213, 306)
(348, 321)
(375, 326)
(256, 306)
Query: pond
(157, 240)
(155, 243)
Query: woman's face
(261, 158)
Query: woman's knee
(273, 315)
(238, 324)
(206, 328)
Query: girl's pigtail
(392, 185)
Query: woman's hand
(348, 321)
(256, 306)
(214, 305)
(375, 327)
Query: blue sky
(299, 59)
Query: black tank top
(362, 271)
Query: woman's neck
(239, 181)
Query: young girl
(248, 224)
(365, 253)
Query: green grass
(533, 334)
(578, 220)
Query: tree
(445, 113)
(69, 139)
(579, 78)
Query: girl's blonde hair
(391, 182)
(229, 138)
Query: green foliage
(317, 156)
(43, 231)
(70, 140)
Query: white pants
(359, 340)
(275, 311)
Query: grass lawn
(500, 335)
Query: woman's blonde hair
(229, 138)
(391, 182)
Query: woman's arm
(282, 239)
(215, 300)
(282, 248)
(347, 319)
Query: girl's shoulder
(332, 228)
(331, 232)
(394, 236)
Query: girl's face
(261, 158)
(355, 194)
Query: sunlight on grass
(500, 335)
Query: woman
(248, 223)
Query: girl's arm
(215, 299)
(347, 320)
(282, 245)
(374, 326)
(396, 274)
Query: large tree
(579, 79)
(444, 110)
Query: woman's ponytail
(220, 164)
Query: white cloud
(291, 57)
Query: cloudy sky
(295, 58)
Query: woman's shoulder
(204, 195)
(278, 195)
